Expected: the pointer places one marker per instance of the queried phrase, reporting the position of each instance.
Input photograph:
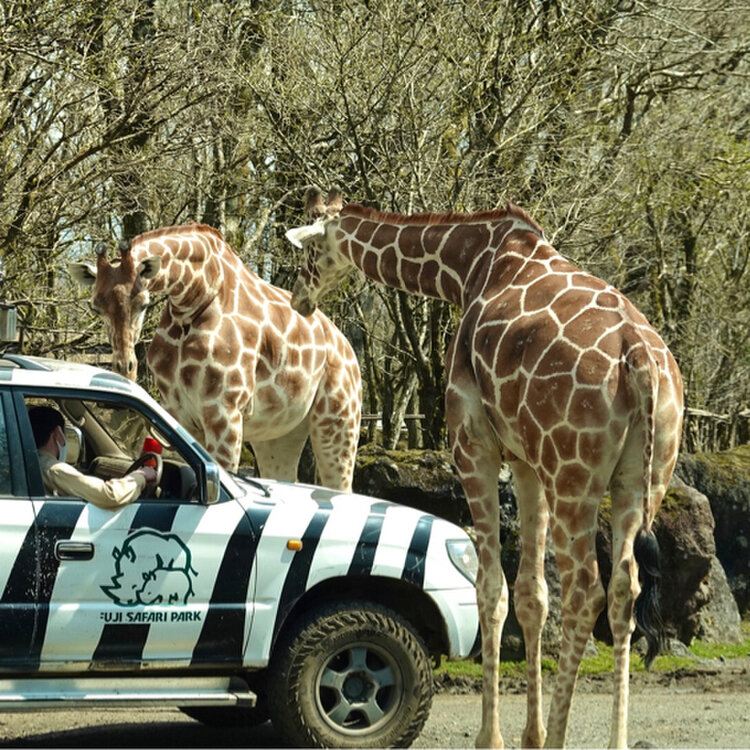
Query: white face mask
(62, 450)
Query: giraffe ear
(335, 202)
(149, 267)
(298, 236)
(83, 273)
(314, 205)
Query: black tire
(228, 716)
(352, 674)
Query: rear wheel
(350, 675)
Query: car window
(5, 483)
(104, 438)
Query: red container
(151, 445)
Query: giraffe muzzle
(301, 300)
(127, 367)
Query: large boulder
(421, 479)
(691, 574)
(724, 478)
(684, 528)
(719, 620)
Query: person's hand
(149, 473)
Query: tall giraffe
(556, 372)
(230, 357)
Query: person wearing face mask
(61, 478)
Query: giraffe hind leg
(334, 435)
(530, 592)
(583, 599)
(634, 551)
(279, 458)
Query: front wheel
(350, 675)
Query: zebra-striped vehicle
(234, 599)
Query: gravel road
(701, 708)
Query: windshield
(127, 427)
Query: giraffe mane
(509, 211)
(179, 229)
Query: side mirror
(209, 483)
(212, 484)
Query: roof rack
(25, 363)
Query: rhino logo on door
(151, 568)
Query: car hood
(347, 525)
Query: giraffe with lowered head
(557, 373)
(231, 359)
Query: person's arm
(109, 494)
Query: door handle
(74, 550)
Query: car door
(152, 583)
(17, 548)
(155, 583)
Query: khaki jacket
(63, 479)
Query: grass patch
(603, 662)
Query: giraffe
(557, 373)
(231, 359)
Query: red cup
(151, 445)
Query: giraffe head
(324, 266)
(120, 297)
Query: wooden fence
(704, 431)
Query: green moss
(605, 509)
(721, 650)
(603, 662)
(672, 505)
(728, 466)
(473, 671)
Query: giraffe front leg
(492, 602)
(530, 592)
(223, 434)
(478, 469)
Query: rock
(677, 648)
(719, 620)
(684, 528)
(422, 479)
(725, 480)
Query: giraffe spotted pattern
(554, 371)
(231, 359)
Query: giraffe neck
(438, 256)
(193, 265)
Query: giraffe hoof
(489, 740)
(534, 739)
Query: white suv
(231, 598)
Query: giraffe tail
(647, 610)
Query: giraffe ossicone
(231, 359)
(556, 372)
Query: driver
(61, 478)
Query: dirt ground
(706, 707)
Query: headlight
(464, 556)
